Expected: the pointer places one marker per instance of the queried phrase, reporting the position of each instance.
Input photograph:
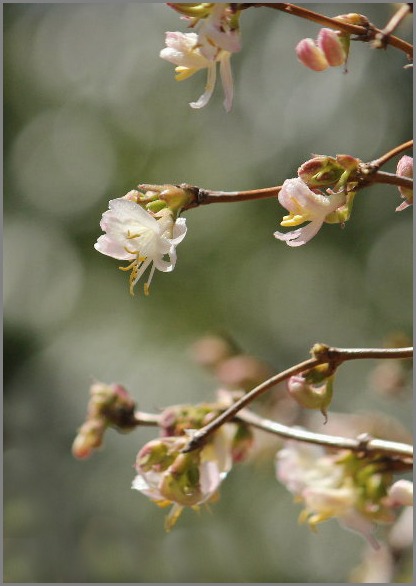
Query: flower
(343, 487)
(305, 205)
(167, 476)
(143, 238)
(190, 55)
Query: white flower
(305, 205)
(321, 483)
(134, 234)
(190, 54)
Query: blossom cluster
(168, 476)
(216, 39)
(355, 491)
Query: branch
(374, 176)
(377, 163)
(360, 444)
(363, 33)
(322, 354)
(207, 196)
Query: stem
(390, 178)
(321, 354)
(377, 163)
(382, 37)
(369, 445)
(356, 445)
(206, 196)
(351, 29)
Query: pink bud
(311, 55)
(405, 169)
(330, 44)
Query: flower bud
(331, 45)
(90, 436)
(353, 18)
(113, 403)
(196, 10)
(405, 169)
(310, 395)
(320, 171)
(175, 197)
(311, 56)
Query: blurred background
(90, 111)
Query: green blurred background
(90, 111)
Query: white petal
(110, 247)
(209, 88)
(227, 81)
(301, 235)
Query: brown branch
(377, 163)
(360, 444)
(207, 196)
(363, 33)
(321, 354)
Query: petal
(111, 247)
(300, 236)
(209, 88)
(227, 81)
(179, 231)
(127, 211)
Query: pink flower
(136, 235)
(305, 205)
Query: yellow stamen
(182, 73)
(294, 219)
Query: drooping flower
(136, 235)
(332, 486)
(311, 395)
(169, 477)
(305, 205)
(186, 51)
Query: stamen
(147, 284)
(130, 266)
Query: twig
(364, 33)
(207, 196)
(359, 444)
(381, 37)
(367, 444)
(321, 354)
(377, 163)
